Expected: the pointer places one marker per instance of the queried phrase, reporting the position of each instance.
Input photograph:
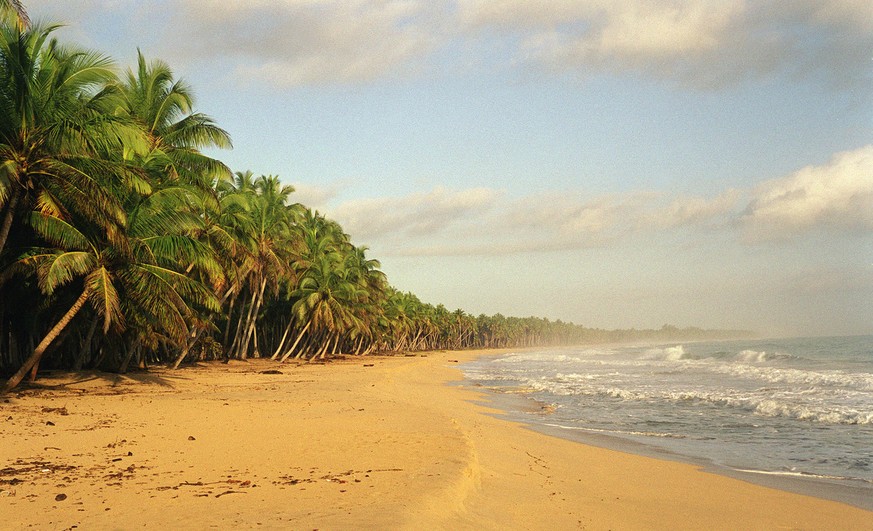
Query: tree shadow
(99, 382)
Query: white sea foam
(793, 405)
(620, 432)
(825, 378)
(668, 354)
(796, 473)
(752, 356)
(824, 415)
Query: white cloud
(834, 196)
(695, 211)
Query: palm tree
(257, 212)
(78, 257)
(130, 278)
(14, 9)
(324, 300)
(164, 108)
(54, 129)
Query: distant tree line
(123, 245)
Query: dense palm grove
(122, 244)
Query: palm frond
(58, 232)
(105, 299)
(59, 269)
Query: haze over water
(798, 408)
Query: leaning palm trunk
(284, 337)
(133, 350)
(320, 354)
(251, 319)
(187, 348)
(240, 328)
(237, 334)
(314, 344)
(40, 349)
(299, 336)
(311, 343)
(7, 219)
(229, 319)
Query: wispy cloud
(417, 215)
(289, 43)
(315, 196)
(837, 197)
(484, 221)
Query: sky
(614, 163)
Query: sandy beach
(363, 443)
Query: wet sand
(360, 443)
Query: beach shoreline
(520, 407)
(373, 442)
(823, 488)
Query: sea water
(800, 408)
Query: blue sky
(614, 163)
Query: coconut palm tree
(15, 10)
(324, 302)
(130, 279)
(55, 129)
(257, 211)
(164, 108)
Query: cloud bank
(834, 198)
(698, 44)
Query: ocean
(791, 413)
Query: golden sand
(366, 443)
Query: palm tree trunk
(251, 317)
(7, 220)
(320, 353)
(256, 353)
(313, 345)
(86, 346)
(186, 349)
(414, 342)
(229, 321)
(284, 337)
(241, 328)
(124, 364)
(253, 329)
(300, 335)
(40, 349)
